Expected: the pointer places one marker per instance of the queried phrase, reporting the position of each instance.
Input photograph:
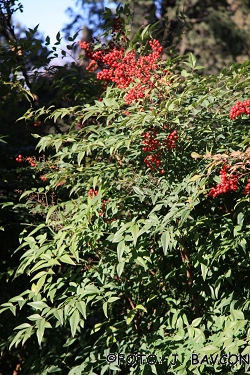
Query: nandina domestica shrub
(141, 264)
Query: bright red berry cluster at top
(152, 144)
(227, 183)
(239, 108)
(124, 68)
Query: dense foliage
(135, 249)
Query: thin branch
(8, 32)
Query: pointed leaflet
(105, 309)
(17, 338)
(50, 212)
(81, 306)
(66, 259)
(141, 262)
(35, 317)
(135, 230)
(209, 349)
(74, 321)
(165, 240)
(120, 268)
(39, 305)
(131, 316)
(59, 315)
(22, 326)
(120, 249)
(140, 307)
(40, 331)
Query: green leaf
(91, 289)
(24, 325)
(131, 316)
(195, 177)
(105, 369)
(195, 155)
(40, 283)
(246, 350)
(105, 309)
(58, 313)
(16, 299)
(74, 321)
(41, 325)
(145, 31)
(210, 349)
(66, 259)
(76, 370)
(80, 156)
(141, 262)
(113, 299)
(3, 205)
(165, 240)
(134, 230)
(120, 268)
(18, 338)
(240, 218)
(50, 212)
(35, 317)
(38, 305)
(81, 306)
(96, 328)
(184, 215)
(238, 314)
(120, 249)
(196, 322)
(204, 271)
(53, 369)
(192, 60)
(140, 307)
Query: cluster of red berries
(150, 141)
(247, 188)
(152, 144)
(227, 183)
(124, 68)
(239, 108)
(31, 161)
(172, 139)
(92, 193)
(19, 158)
(43, 178)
